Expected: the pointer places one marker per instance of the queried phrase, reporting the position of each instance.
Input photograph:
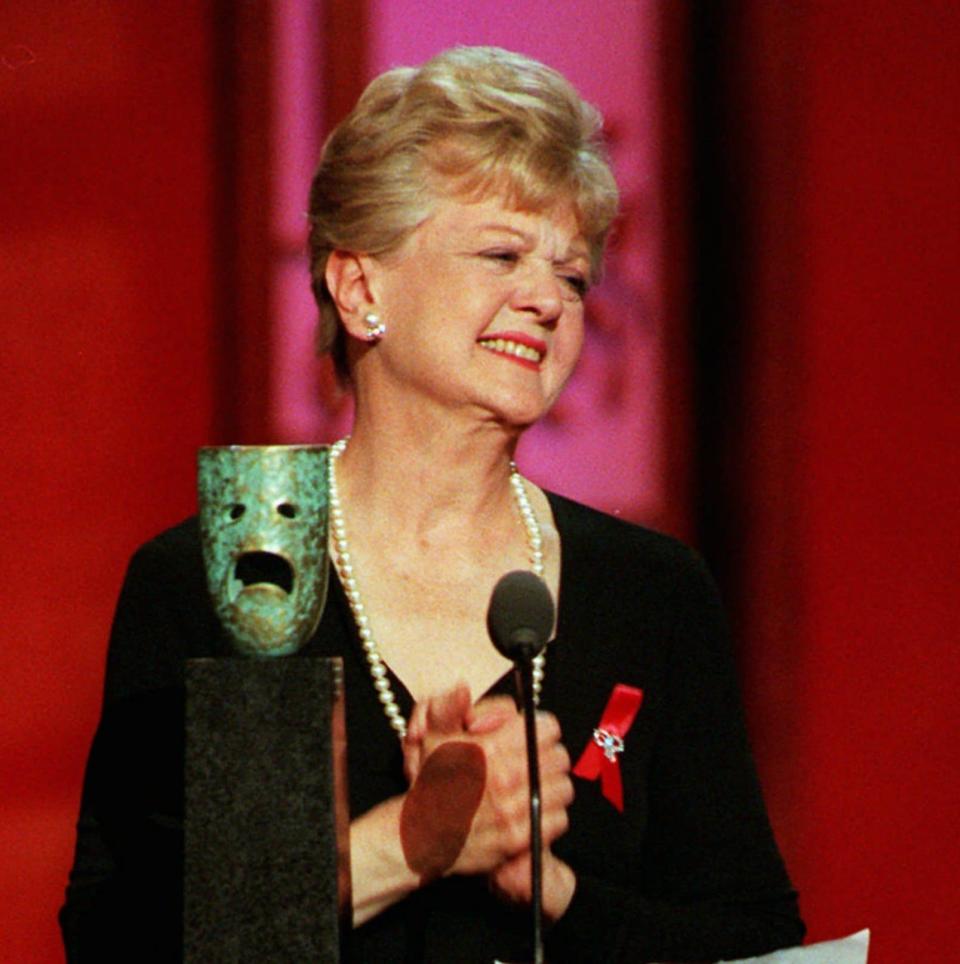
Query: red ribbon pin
(599, 759)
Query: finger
(416, 725)
(490, 714)
(556, 794)
(412, 758)
(507, 814)
(488, 724)
(554, 824)
(554, 761)
(507, 725)
(499, 717)
(507, 758)
(511, 880)
(498, 705)
(447, 712)
(413, 742)
(492, 702)
(548, 728)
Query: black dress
(689, 871)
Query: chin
(520, 407)
(519, 415)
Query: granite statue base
(266, 853)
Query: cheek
(431, 302)
(568, 343)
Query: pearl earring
(376, 329)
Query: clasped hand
(466, 811)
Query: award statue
(266, 835)
(263, 523)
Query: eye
(287, 510)
(576, 283)
(501, 255)
(236, 511)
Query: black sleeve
(124, 896)
(712, 883)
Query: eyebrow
(576, 250)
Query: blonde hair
(469, 122)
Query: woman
(458, 218)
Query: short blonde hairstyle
(470, 122)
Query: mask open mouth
(264, 568)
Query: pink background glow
(601, 444)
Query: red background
(107, 372)
(111, 273)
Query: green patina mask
(263, 523)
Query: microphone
(520, 615)
(519, 620)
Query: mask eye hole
(236, 511)
(287, 510)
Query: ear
(349, 276)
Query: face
(484, 307)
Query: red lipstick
(517, 338)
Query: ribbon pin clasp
(610, 743)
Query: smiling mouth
(514, 349)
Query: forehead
(555, 230)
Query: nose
(539, 295)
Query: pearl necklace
(344, 566)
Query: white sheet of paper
(846, 950)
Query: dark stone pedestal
(266, 854)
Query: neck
(436, 477)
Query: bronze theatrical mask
(263, 521)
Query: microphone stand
(519, 620)
(524, 680)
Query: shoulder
(180, 544)
(171, 562)
(594, 540)
(163, 615)
(638, 607)
(634, 583)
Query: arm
(379, 870)
(466, 810)
(710, 882)
(124, 892)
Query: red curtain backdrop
(107, 370)
(116, 294)
(877, 817)
(847, 116)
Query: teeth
(512, 348)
